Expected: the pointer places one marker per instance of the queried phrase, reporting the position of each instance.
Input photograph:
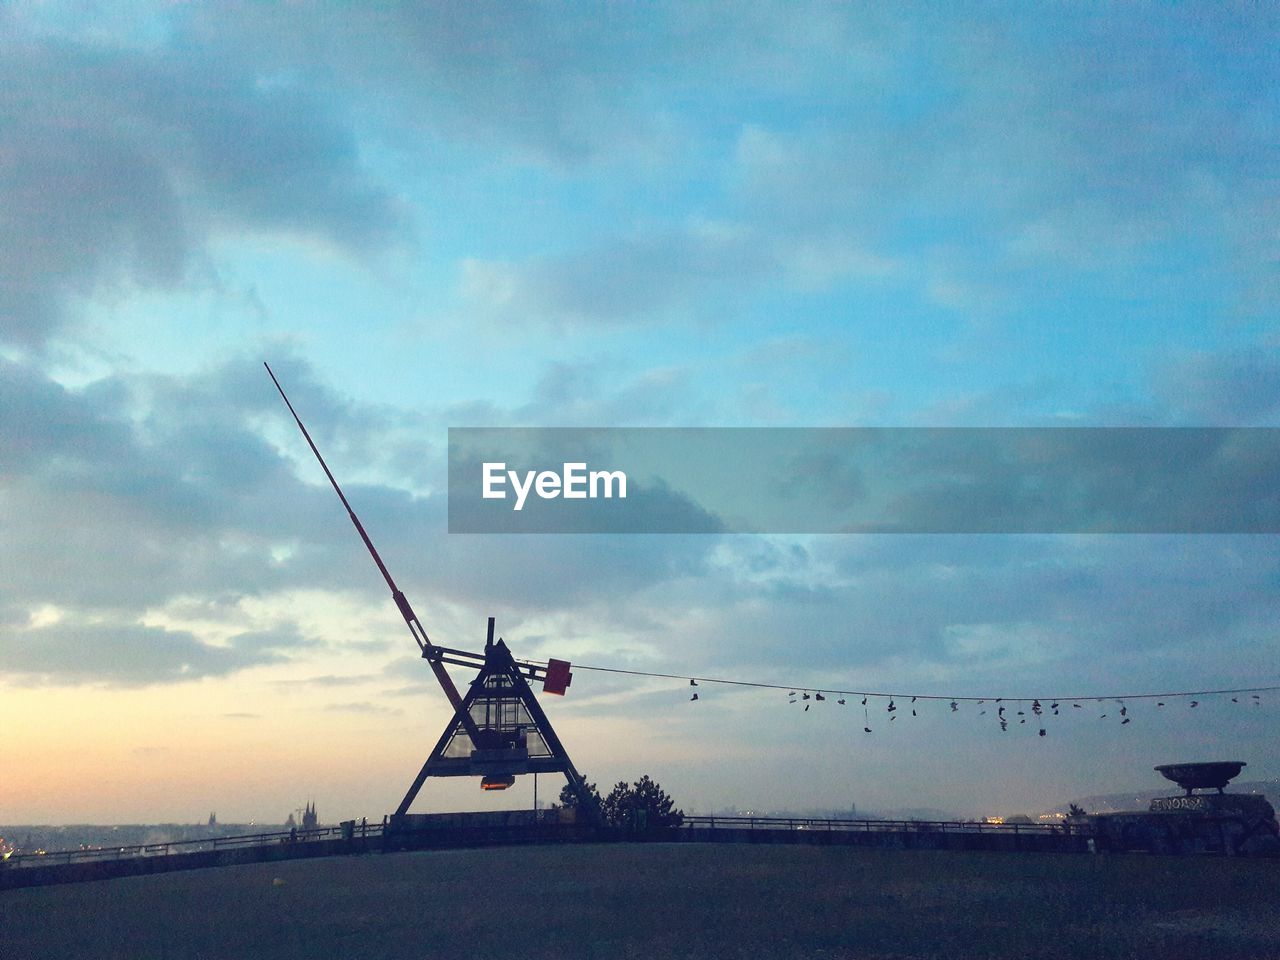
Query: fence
(178, 847)
(438, 831)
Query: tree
(570, 798)
(642, 805)
(616, 806)
(1076, 811)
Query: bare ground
(658, 901)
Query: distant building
(310, 820)
(213, 819)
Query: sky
(430, 215)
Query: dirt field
(659, 901)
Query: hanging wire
(1254, 691)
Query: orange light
(497, 783)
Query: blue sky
(435, 215)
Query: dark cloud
(965, 615)
(976, 168)
(958, 162)
(1223, 388)
(137, 493)
(247, 121)
(44, 425)
(558, 85)
(258, 642)
(118, 516)
(115, 167)
(1083, 480)
(1087, 154)
(123, 654)
(109, 514)
(138, 490)
(960, 614)
(1061, 604)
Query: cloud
(1080, 480)
(125, 654)
(142, 495)
(330, 680)
(556, 86)
(967, 614)
(114, 508)
(115, 516)
(995, 165)
(137, 490)
(364, 707)
(1231, 387)
(43, 422)
(647, 276)
(265, 642)
(701, 271)
(666, 215)
(1014, 171)
(117, 166)
(120, 506)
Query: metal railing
(880, 826)
(362, 830)
(166, 848)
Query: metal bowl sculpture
(1201, 776)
